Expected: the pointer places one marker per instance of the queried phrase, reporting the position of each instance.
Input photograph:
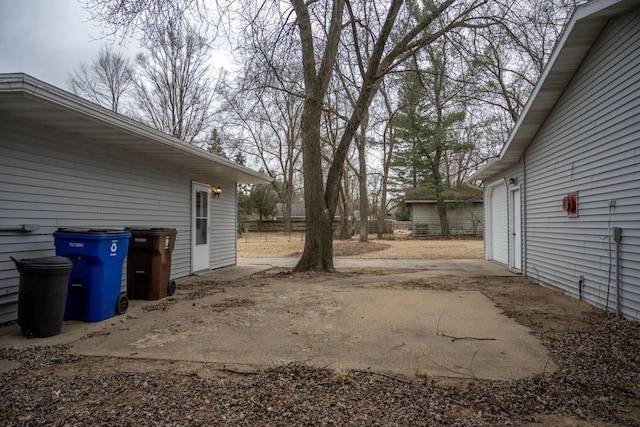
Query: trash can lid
(48, 263)
(91, 230)
(150, 229)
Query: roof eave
(432, 201)
(583, 29)
(39, 91)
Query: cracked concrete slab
(343, 322)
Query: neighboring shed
(565, 191)
(297, 211)
(464, 212)
(65, 162)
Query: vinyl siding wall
(223, 238)
(52, 179)
(590, 144)
(465, 218)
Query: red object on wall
(570, 203)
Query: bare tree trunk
(442, 213)
(287, 201)
(362, 180)
(345, 212)
(437, 180)
(382, 215)
(318, 245)
(286, 219)
(389, 140)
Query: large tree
(174, 91)
(428, 124)
(388, 148)
(333, 122)
(422, 24)
(266, 120)
(106, 80)
(509, 58)
(396, 30)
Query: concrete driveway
(246, 319)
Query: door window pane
(202, 217)
(201, 231)
(201, 204)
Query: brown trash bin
(149, 263)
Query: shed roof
(425, 194)
(31, 101)
(578, 37)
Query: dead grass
(267, 245)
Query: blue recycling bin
(94, 284)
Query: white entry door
(515, 258)
(200, 227)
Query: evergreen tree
(428, 126)
(215, 144)
(262, 200)
(402, 212)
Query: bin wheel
(29, 332)
(122, 304)
(171, 289)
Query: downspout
(617, 237)
(485, 217)
(509, 255)
(523, 210)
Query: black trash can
(42, 294)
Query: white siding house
(65, 162)
(578, 138)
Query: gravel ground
(597, 384)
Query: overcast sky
(48, 38)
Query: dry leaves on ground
(597, 382)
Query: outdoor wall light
(216, 192)
(513, 181)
